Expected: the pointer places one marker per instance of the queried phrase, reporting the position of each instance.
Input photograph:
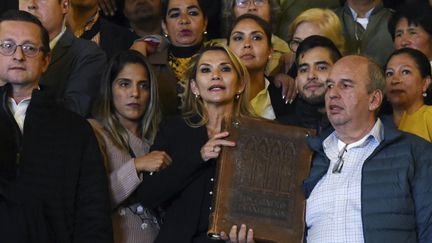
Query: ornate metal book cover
(259, 181)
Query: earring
(424, 94)
(166, 35)
(205, 32)
(196, 96)
(237, 96)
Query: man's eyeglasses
(293, 45)
(340, 162)
(8, 48)
(245, 3)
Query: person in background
(49, 155)
(364, 23)
(85, 21)
(365, 173)
(290, 9)
(217, 91)
(314, 21)
(76, 65)
(184, 24)
(410, 26)
(127, 117)
(266, 10)
(250, 40)
(144, 16)
(315, 57)
(408, 75)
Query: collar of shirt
(54, 41)
(362, 20)
(261, 103)
(19, 110)
(377, 133)
(333, 209)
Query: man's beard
(314, 99)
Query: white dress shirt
(19, 110)
(333, 210)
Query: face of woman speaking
(250, 43)
(131, 93)
(184, 23)
(216, 81)
(404, 84)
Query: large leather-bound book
(259, 181)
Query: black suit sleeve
(84, 80)
(183, 144)
(92, 217)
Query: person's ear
(375, 100)
(241, 87)
(270, 53)
(64, 6)
(205, 23)
(164, 28)
(194, 87)
(427, 83)
(46, 62)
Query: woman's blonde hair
(193, 110)
(104, 110)
(326, 20)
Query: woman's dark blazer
(184, 186)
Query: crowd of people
(112, 113)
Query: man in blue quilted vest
(369, 182)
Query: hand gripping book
(259, 181)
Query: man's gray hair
(377, 79)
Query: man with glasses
(76, 66)
(369, 182)
(48, 154)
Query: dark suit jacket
(184, 185)
(56, 161)
(115, 38)
(75, 72)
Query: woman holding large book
(217, 92)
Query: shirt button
(211, 179)
(211, 193)
(210, 208)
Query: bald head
(364, 68)
(352, 96)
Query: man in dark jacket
(48, 154)
(314, 58)
(368, 182)
(364, 24)
(76, 66)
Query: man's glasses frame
(246, 3)
(8, 48)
